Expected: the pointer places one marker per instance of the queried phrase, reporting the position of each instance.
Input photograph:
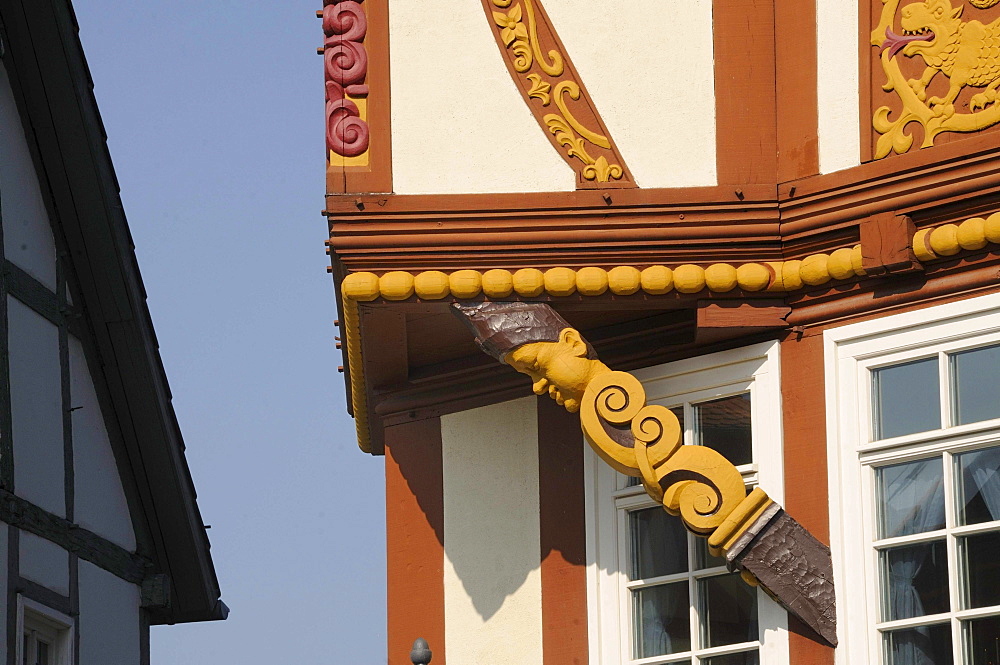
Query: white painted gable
(27, 236)
(36, 408)
(100, 504)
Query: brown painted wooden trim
(71, 537)
(795, 89)
(865, 64)
(942, 282)
(414, 492)
(543, 104)
(886, 241)
(746, 142)
(40, 594)
(768, 313)
(806, 495)
(421, 204)
(562, 525)
(377, 176)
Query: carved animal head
(927, 26)
(560, 369)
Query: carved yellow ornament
(638, 439)
(967, 53)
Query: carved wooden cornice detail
(554, 92)
(345, 61)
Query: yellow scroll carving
(638, 439)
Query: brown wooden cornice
(647, 226)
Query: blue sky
(214, 115)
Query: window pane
(907, 398)
(926, 645)
(981, 574)
(982, 640)
(42, 658)
(729, 610)
(977, 391)
(25, 655)
(979, 486)
(703, 558)
(915, 580)
(911, 498)
(662, 620)
(744, 658)
(724, 425)
(659, 544)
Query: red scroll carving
(346, 64)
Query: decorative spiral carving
(657, 427)
(701, 486)
(346, 133)
(522, 56)
(345, 19)
(620, 397)
(615, 398)
(346, 62)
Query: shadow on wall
(512, 507)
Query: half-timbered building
(750, 249)
(100, 534)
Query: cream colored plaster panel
(837, 87)
(459, 124)
(43, 562)
(492, 578)
(36, 408)
(27, 236)
(99, 499)
(649, 67)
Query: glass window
(917, 518)
(664, 588)
(907, 398)
(975, 385)
(724, 425)
(660, 597)
(917, 534)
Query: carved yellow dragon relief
(967, 53)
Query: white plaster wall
(109, 618)
(99, 500)
(36, 408)
(27, 236)
(459, 124)
(492, 578)
(837, 88)
(43, 562)
(649, 66)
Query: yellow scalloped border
(950, 239)
(772, 276)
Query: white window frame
(35, 616)
(754, 369)
(850, 353)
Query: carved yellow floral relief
(518, 25)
